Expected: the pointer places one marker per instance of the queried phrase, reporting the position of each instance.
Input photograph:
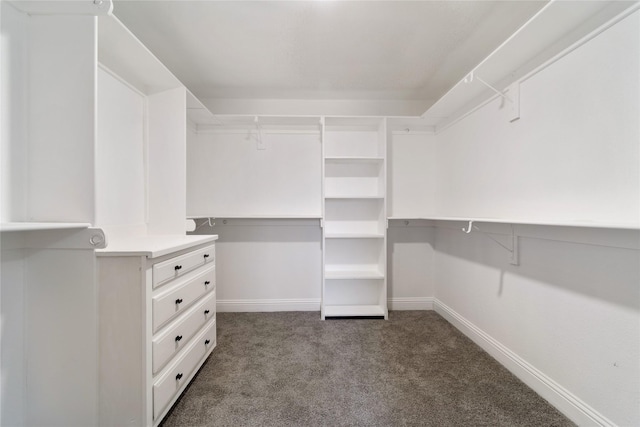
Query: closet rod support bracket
(511, 95)
(514, 257)
(515, 252)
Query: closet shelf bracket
(207, 221)
(513, 238)
(513, 98)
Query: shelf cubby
(354, 178)
(354, 258)
(354, 217)
(355, 297)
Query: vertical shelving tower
(354, 218)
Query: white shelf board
(121, 52)
(355, 197)
(577, 223)
(353, 310)
(34, 226)
(354, 236)
(266, 216)
(399, 217)
(352, 274)
(338, 123)
(354, 159)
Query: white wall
(574, 153)
(569, 311)
(228, 175)
(13, 105)
(13, 143)
(567, 319)
(267, 265)
(12, 356)
(410, 265)
(411, 167)
(167, 161)
(410, 245)
(61, 104)
(120, 171)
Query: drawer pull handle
(207, 342)
(179, 376)
(206, 255)
(177, 267)
(207, 283)
(206, 312)
(178, 338)
(179, 301)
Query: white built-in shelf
(352, 274)
(354, 196)
(354, 159)
(123, 54)
(354, 235)
(512, 221)
(266, 216)
(354, 230)
(353, 310)
(33, 226)
(405, 217)
(267, 122)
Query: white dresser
(157, 309)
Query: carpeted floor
(292, 369)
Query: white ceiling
(370, 50)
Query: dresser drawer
(177, 298)
(178, 334)
(176, 267)
(177, 375)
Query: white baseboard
(258, 305)
(311, 304)
(410, 303)
(569, 404)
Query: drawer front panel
(166, 387)
(178, 298)
(178, 334)
(178, 266)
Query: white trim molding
(566, 402)
(263, 305)
(310, 304)
(410, 303)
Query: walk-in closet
(179, 179)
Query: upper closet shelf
(87, 8)
(354, 159)
(289, 124)
(257, 216)
(557, 29)
(122, 54)
(577, 223)
(35, 226)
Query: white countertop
(152, 246)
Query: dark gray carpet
(292, 369)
